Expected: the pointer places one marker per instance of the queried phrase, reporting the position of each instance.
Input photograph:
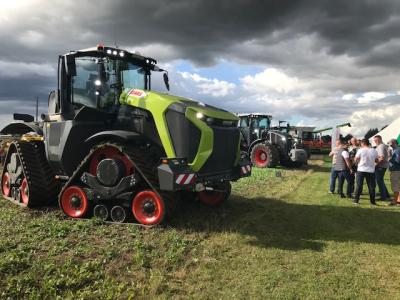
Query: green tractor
(269, 147)
(110, 147)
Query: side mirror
(44, 117)
(70, 66)
(166, 80)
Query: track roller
(100, 211)
(6, 185)
(118, 214)
(148, 208)
(24, 191)
(74, 202)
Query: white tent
(392, 131)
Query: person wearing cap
(394, 169)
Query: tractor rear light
(245, 170)
(185, 179)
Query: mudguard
(21, 128)
(116, 135)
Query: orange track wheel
(211, 198)
(74, 202)
(148, 208)
(6, 185)
(25, 192)
(112, 153)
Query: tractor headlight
(122, 54)
(97, 82)
(109, 51)
(199, 115)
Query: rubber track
(43, 189)
(140, 159)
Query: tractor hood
(201, 115)
(159, 102)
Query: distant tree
(371, 132)
(384, 127)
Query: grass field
(277, 237)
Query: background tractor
(268, 147)
(112, 148)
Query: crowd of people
(356, 162)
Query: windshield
(99, 81)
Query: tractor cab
(254, 127)
(96, 78)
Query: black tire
(264, 156)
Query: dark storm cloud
(203, 31)
(345, 46)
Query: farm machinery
(316, 142)
(112, 148)
(268, 147)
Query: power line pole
(37, 108)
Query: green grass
(277, 237)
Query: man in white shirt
(366, 158)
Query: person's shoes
(356, 202)
(342, 196)
(350, 196)
(392, 204)
(330, 192)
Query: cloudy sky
(309, 62)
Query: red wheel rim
(74, 202)
(211, 198)
(145, 200)
(6, 185)
(112, 153)
(261, 157)
(25, 192)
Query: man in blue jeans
(366, 158)
(381, 167)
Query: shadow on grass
(277, 224)
(316, 168)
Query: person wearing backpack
(394, 169)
